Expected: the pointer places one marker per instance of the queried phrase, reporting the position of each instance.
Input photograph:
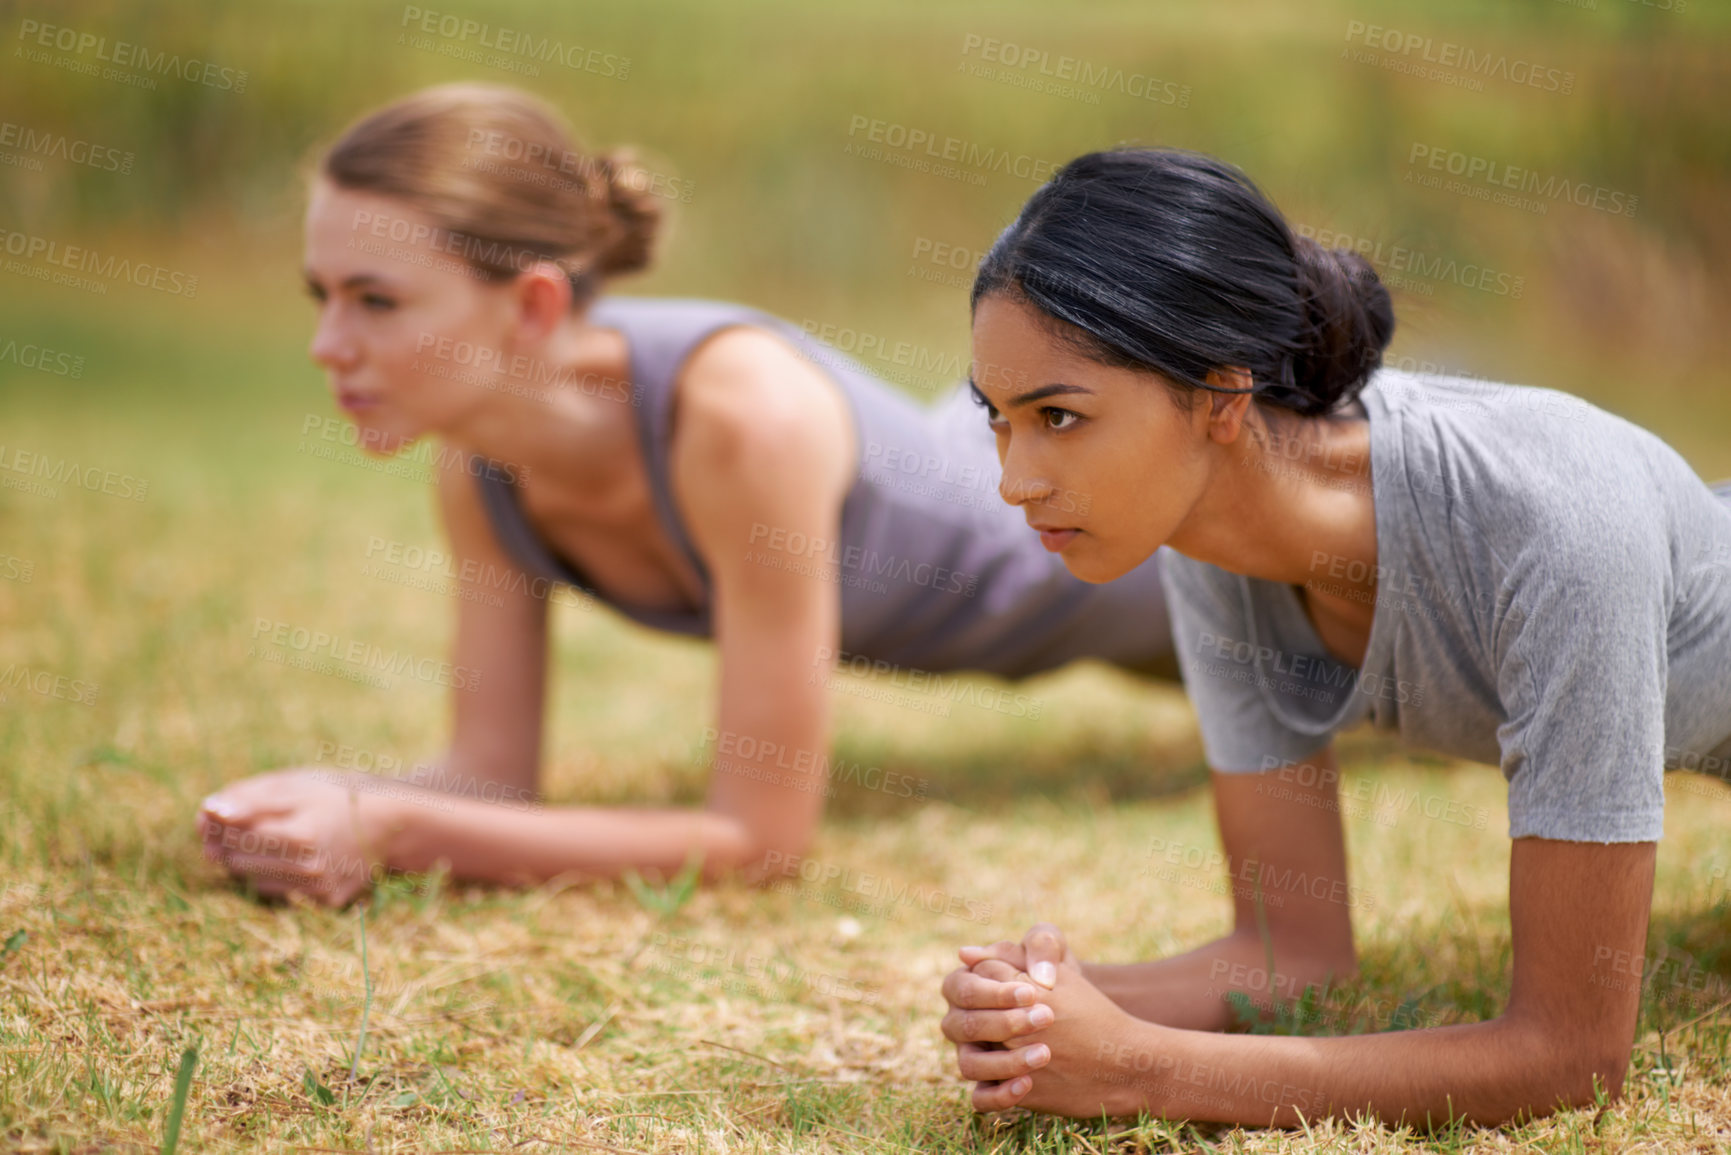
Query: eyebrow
(1057, 389)
(359, 280)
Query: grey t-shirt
(1553, 597)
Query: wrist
(1106, 978)
(1137, 1060)
(1302, 960)
(384, 821)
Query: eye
(316, 293)
(374, 303)
(1058, 420)
(993, 417)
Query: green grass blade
(176, 1109)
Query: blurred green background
(751, 103)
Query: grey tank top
(936, 571)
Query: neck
(1290, 502)
(558, 411)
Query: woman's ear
(1227, 410)
(543, 299)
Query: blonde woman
(701, 467)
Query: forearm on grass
(1189, 990)
(526, 844)
(1485, 1073)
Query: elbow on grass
(1568, 1075)
(1591, 1078)
(760, 861)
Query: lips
(353, 402)
(1056, 539)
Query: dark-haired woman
(1503, 574)
(704, 468)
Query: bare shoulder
(748, 392)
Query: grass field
(593, 1017)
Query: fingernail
(1024, 996)
(1045, 974)
(1041, 1016)
(1021, 1086)
(1039, 1055)
(221, 807)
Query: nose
(331, 347)
(1021, 484)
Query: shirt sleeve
(1582, 675)
(1240, 733)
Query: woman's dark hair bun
(1349, 322)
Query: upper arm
(502, 637)
(762, 461)
(1578, 918)
(1225, 674)
(1285, 851)
(1581, 675)
(1276, 793)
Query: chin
(385, 442)
(1091, 568)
